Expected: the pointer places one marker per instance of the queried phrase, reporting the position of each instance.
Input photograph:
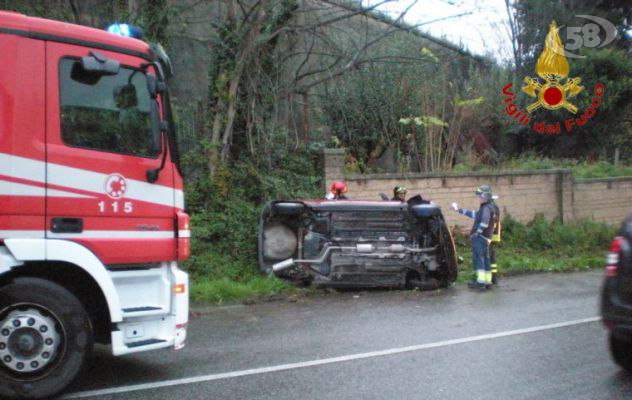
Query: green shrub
(543, 245)
(225, 211)
(541, 234)
(530, 162)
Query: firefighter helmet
(338, 187)
(399, 189)
(484, 191)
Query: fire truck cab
(92, 221)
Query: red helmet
(338, 187)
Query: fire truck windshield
(112, 113)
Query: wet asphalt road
(469, 346)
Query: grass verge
(544, 246)
(222, 290)
(539, 246)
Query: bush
(543, 245)
(541, 234)
(582, 169)
(225, 218)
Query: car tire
(449, 268)
(56, 329)
(621, 350)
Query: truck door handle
(67, 225)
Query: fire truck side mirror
(155, 86)
(125, 96)
(156, 128)
(152, 175)
(96, 63)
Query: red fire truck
(91, 202)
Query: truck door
(103, 136)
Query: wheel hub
(28, 340)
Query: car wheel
(45, 334)
(449, 268)
(621, 350)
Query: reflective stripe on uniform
(496, 235)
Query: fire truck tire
(45, 335)
(621, 350)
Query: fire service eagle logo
(553, 68)
(553, 90)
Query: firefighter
(399, 193)
(481, 236)
(337, 191)
(495, 239)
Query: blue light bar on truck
(126, 30)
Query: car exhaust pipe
(278, 267)
(359, 248)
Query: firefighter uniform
(481, 236)
(495, 239)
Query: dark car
(616, 305)
(348, 243)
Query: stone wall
(523, 194)
(607, 200)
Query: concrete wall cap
(486, 174)
(334, 151)
(609, 179)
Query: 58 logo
(587, 35)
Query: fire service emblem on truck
(115, 186)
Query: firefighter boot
(479, 283)
(494, 274)
(488, 279)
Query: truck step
(140, 309)
(145, 343)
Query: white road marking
(324, 361)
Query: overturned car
(349, 243)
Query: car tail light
(612, 260)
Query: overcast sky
(484, 31)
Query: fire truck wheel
(45, 334)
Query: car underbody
(347, 243)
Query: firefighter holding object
(399, 193)
(481, 236)
(495, 240)
(337, 191)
